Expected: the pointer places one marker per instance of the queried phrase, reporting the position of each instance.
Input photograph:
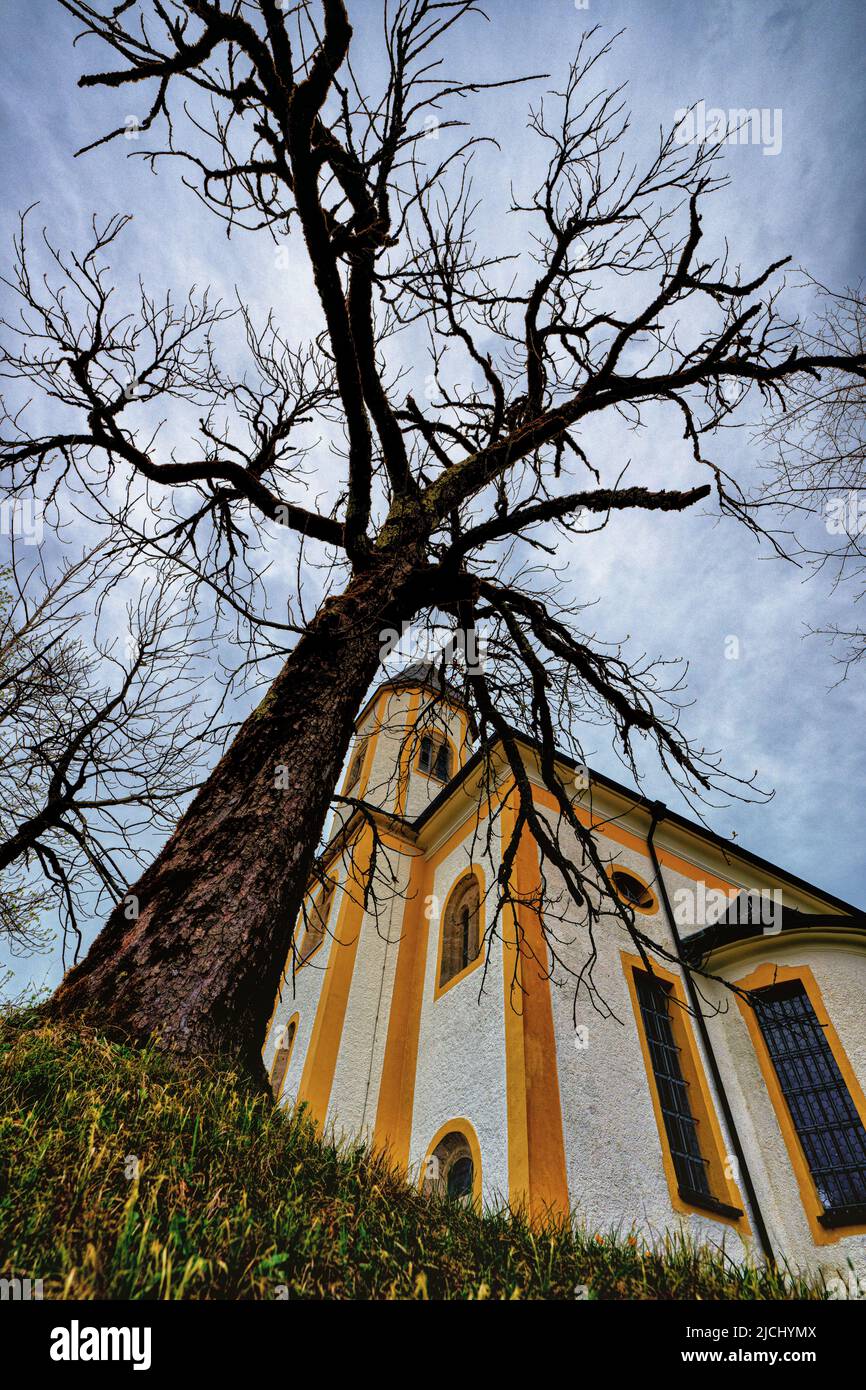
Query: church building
(654, 1101)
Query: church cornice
(386, 823)
(613, 807)
(634, 803)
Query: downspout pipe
(659, 812)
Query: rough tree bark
(200, 965)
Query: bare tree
(100, 740)
(817, 466)
(431, 496)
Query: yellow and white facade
(467, 1059)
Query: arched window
(434, 757)
(317, 921)
(451, 1168)
(355, 766)
(461, 928)
(282, 1055)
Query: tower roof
(426, 674)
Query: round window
(632, 891)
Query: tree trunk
(199, 968)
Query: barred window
(695, 1166)
(821, 1107)
(673, 1090)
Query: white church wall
(461, 1049)
(355, 1090)
(613, 1150)
(389, 731)
(614, 1163)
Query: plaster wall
(461, 1052)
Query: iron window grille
(681, 1124)
(822, 1109)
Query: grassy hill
(234, 1199)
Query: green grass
(235, 1199)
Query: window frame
(438, 740)
(764, 977)
(725, 1203)
(328, 895)
(362, 745)
(459, 1125)
(615, 869)
(291, 1023)
(690, 1163)
(478, 873)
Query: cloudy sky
(680, 586)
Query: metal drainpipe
(659, 811)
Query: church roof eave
(639, 801)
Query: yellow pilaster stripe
(515, 1054)
(536, 1157)
(372, 741)
(393, 1128)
